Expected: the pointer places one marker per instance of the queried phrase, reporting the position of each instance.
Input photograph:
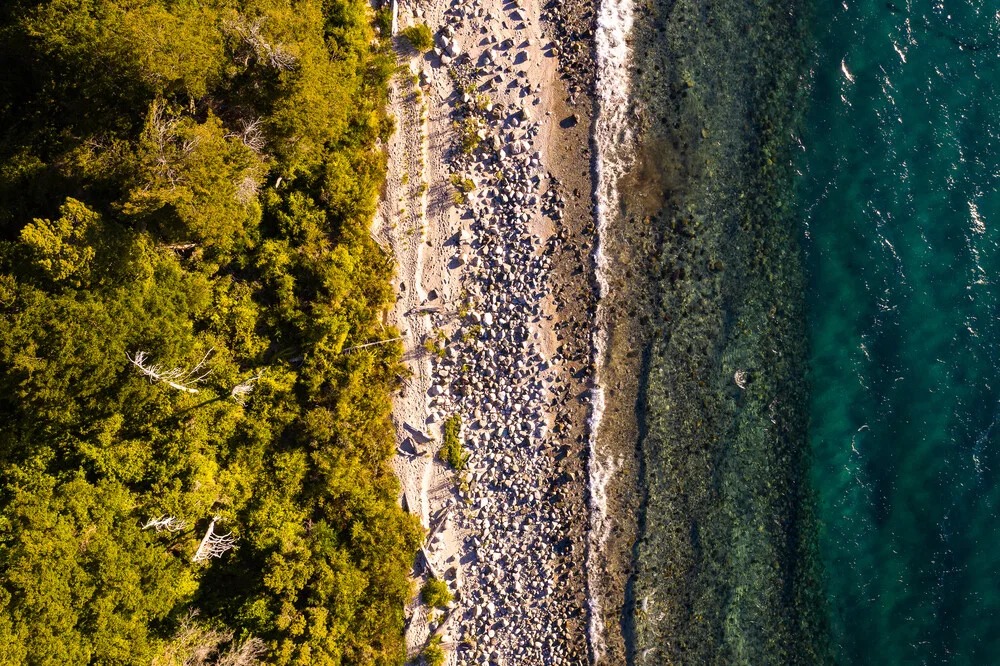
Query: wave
(612, 140)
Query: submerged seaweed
(726, 569)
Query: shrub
(435, 593)
(419, 36)
(433, 654)
(452, 451)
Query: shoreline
(495, 308)
(612, 480)
(580, 336)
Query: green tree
(61, 249)
(179, 177)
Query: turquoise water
(901, 160)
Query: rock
(488, 319)
(409, 447)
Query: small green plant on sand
(433, 653)
(435, 593)
(462, 188)
(436, 344)
(465, 185)
(452, 451)
(470, 134)
(419, 36)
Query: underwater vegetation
(727, 570)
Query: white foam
(613, 143)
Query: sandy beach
(487, 210)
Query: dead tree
(168, 523)
(247, 188)
(251, 134)
(212, 544)
(170, 151)
(256, 46)
(246, 653)
(197, 644)
(243, 389)
(176, 378)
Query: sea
(901, 223)
(799, 229)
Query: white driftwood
(176, 378)
(212, 544)
(430, 565)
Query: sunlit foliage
(179, 178)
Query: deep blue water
(902, 227)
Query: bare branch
(243, 389)
(255, 45)
(370, 344)
(246, 654)
(176, 378)
(251, 134)
(169, 153)
(246, 189)
(168, 523)
(212, 544)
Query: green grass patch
(452, 452)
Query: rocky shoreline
(488, 212)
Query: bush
(452, 451)
(435, 593)
(419, 36)
(433, 653)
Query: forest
(194, 443)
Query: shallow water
(724, 565)
(901, 222)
